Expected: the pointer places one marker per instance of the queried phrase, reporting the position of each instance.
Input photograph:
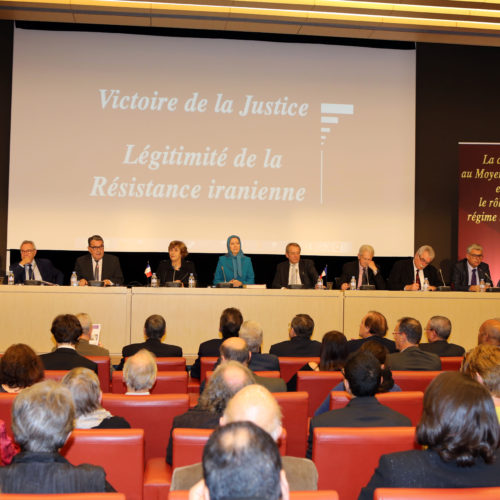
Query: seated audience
(460, 435)
(373, 327)
(240, 460)
(229, 326)
(438, 332)
(84, 347)
(332, 357)
(42, 419)
(362, 376)
(407, 334)
(251, 332)
(489, 332)
(20, 367)
(87, 395)
(225, 382)
(177, 268)
(300, 343)
(255, 404)
(66, 330)
(139, 373)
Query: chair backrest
(166, 383)
(270, 374)
(153, 414)
(318, 385)
(413, 380)
(119, 451)
(63, 496)
(103, 371)
(171, 364)
(338, 451)
(289, 366)
(294, 407)
(451, 364)
(56, 375)
(409, 403)
(294, 495)
(207, 363)
(6, 400)
(437, 493)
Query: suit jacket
(415, 359)
(272, 384)
(264, 362)
(208, 348)
(355, 344)
(155, 346)
(307, 272)
(460, 276)
(351, 269)
(87, 349)
(296, 346)
(402, 274)
(165, 272)
(47, 270)
(425, 469)
(111, 269)
(359, 412)
(64, 358)
(443, 349)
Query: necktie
(473, 280)
(417, 279)
(96, 271)
(30, 272)
(364, 280)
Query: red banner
(479, 201)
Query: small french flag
(147, 271)
(323, 274)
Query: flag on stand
(147, 271)
(323, 274)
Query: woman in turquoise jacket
(237, 266)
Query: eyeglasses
(476, 255)
(28, 251)
(97, 248)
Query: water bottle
(482, 285)
(191, 281)
(425, 287)
(154, 281)
(352, 284)
(319, 283)
(73, 280)
(10, 279)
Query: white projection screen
(145, 139)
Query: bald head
(254, 403)
(235, 349)
(489, 332)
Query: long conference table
(192, 315)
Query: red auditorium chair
(63, 496)
(171, 364)
(294, 495)
(270, 374)
(289, 366)
(6, 400)
(56, 375)
(409, 403)
(413, 380)
(166, 383)
(347, 457)
(119, 451)
(451, 364)
(207, 363)
(103, 371)
(437, 493)
(318, 385)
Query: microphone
(366, 274)
(488, 276)
(442, 279)
(224, 274)
(443, 287)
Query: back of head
(254, 403)
(303, 325)
(482, 363)
(376, 323)
(377, 349)
(459, 421)
(42, 417)
(240, 460)
(230, 322)
(139, 371)
(441, 325)
(333, 351)
(251, 332)
(85, 390)
(85, 322)
(226, 381)
(363, 373)
(412, 329)
(155, 326)
(66, 329)
(20, 367)
(235, 349)
(489, 332)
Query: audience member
(251, 332)
(438, 331)
(20, 367)
(407, 334)
(460, 435)
(84, 347)
(229, 326)
(362, 376)
(139, 373)
(373, 326)
(489, 332)
(364, 270)
(87, 395)
(300, 343)
(42, 419)
(66, 330)
(225, 382)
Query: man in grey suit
(407, 335)
(84, 347)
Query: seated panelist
(468, 272)
(177, 268)
(296, 271)
(364, 270)
(234, 267)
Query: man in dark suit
(30, 268)
(300, 343)
(251, 332)
(407, 334)
(362, 375)
(468, 272)
(364, 270)
(154, 330)
(409, 274)
(438, 331)
(66, 330)
(229, 326)
(97, 266)
(373, 327)
(296, 271)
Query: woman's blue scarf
(235, 259)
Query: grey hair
(441, 325)
(139, 372)
(85, 390)
(474, 246)
(86, 322)
(28, 242)
(366, 248)
(428, 249)
(251, 332)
